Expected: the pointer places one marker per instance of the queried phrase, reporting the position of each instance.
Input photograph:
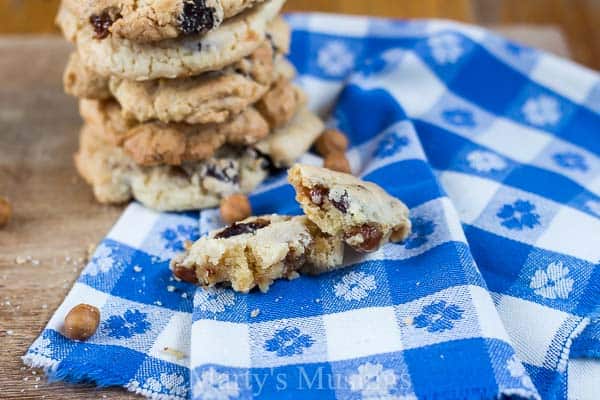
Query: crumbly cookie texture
(212, 97)
(257, 251)
(154, 143)
(116, 178)
(154, 20)
(360, 212)
(286, 143)
(181, 57)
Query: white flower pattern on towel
(355, 286)
(446, 48)
(214, 300)
(485, 161)
(542, 110)
(101, 262)
(373, 381)
(213, 385)
(335, 59)
(553, 282)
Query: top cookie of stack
(184, 101)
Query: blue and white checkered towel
(494, 146)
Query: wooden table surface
(55, 217)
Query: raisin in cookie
(116, 178)
(360, 212)
(256, 252)
(181, 57)
(154, 20)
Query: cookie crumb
(5, 211)
(254, 313)
(20, 260)
(235, 208)
(90, 250)
(174, 352)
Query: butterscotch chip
(337, 161)
(331, 141)
(5, 211)
(81, 322)
(235, 208)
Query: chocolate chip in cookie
(196, 17)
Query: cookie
(154, 20)
(341, 205)
(187, 56)
(257, 251)
(285, 144)
(154, 143)
(206, 98)
(116, 178)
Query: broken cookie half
(256, 251)
(342, 205)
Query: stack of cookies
(185, 102)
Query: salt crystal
(35, 262)
(137, 268)
(255, 313)
(44, 306)
(9, 332)
(20, 260)
(170, 288)
(158, 303)
(184, 295)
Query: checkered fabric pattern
(512, 135)
(143, 341)
(495, 148)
